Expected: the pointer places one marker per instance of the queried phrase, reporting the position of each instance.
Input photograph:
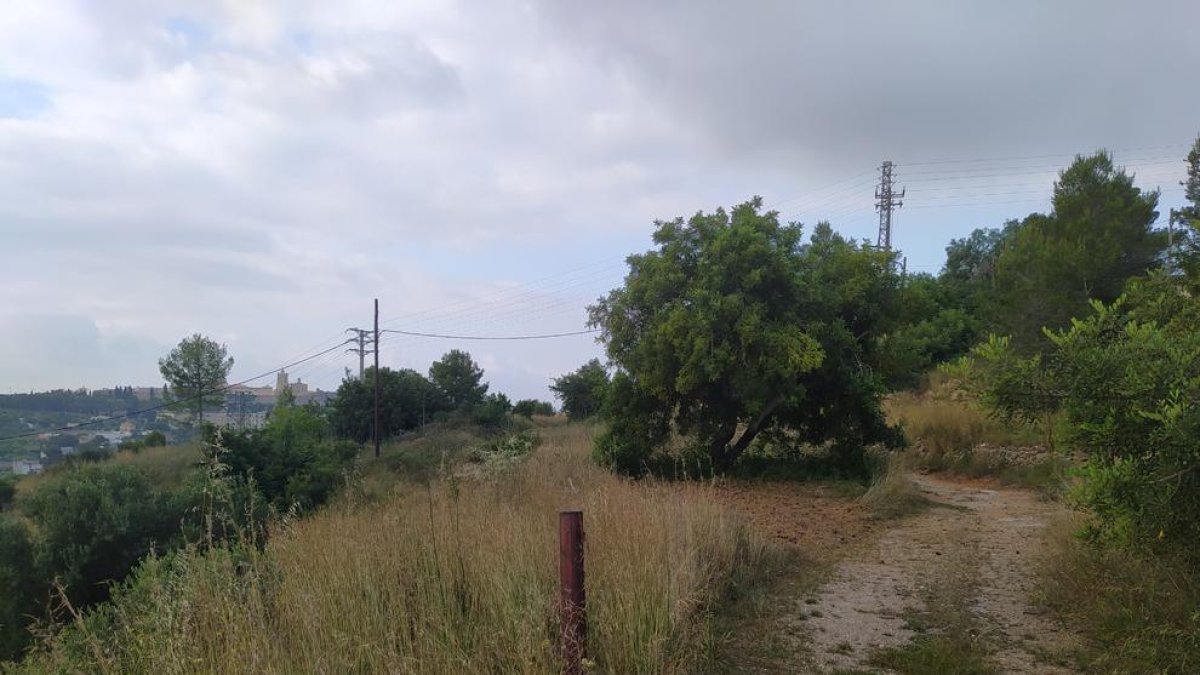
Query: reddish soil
(813, 519)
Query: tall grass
(951, 432)
(892, 493)
(1138, 613)
(453, 576)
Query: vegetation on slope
(455, 576)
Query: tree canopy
(459, 379)
(582, 392)
(406, 400)
(733, 326)
(196, 370)
(1098, 235)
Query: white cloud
(259, 171)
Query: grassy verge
(1137, 614)
(892, 494)
(456, 575)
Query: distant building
(26, 467)
(147, 393)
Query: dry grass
(892, 494)
(1138, 613)
(167, 466)
(951, 430)
(949, 425)
(448, 577)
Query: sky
(259, 172)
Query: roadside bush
(492, 413)
(20, 587)
(1127, 383)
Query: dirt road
(964, 565)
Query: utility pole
(886, 199)
(363, 337)
(377, 378)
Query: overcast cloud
(259, 171)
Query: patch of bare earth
(981, 546)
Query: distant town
(48, 428)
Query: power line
(1172, 146)
(169, 404)
(544, 336)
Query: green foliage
(8, 490)
(196, 370)
(733, 323)
(95, 521)
(20, 587)
(936, 332)
(1128, 383)
(458, 378)
(406, 400)
(1098, 235)
(291, 461)
(506, 449)
(492, 412)
(528, 407)
(1186, 244)
(583, 391)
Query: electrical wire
(544, 336)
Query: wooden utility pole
(377, 378)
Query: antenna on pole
(886, 199)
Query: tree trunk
(723, 454)
(718, 450)
(754, 428)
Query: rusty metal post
(573, 600)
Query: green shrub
(529, 407)
(292, 460)
(95, 521)
(1126, 381)
(20, 587)
(8, 491)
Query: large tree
(458, 378)
(733, 326)
(1098, 235)
(195, 371)
(582, 392)
(407, 399)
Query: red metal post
(573, 600)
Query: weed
(1138, 613)
(933, 654)
(892, 494)
(947, 639)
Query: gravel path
(981, 547)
